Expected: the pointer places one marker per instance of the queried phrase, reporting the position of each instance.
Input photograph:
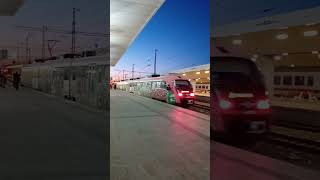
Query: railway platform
(154, 140)
(45, 137)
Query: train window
(287, 80)
(154, 85)
(163, 85)
(299, 80)
(310, 81)
(277, 80)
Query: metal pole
(44, 29)
(132, 71)
(27, 48)
(73, 30)
(155, 61)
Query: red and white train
(172, 89)
(239, 100)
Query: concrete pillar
(266, 66)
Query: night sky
(180, 30)
(55, 14)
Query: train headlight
(191, 94)
(263, 104)
(180, 94)
(225, 104)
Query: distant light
(292, 65)
(282, 36)
(198, 72)
(285, 54)
(310, 24)
(237, 42)
(206, 72)
(197, 79)
(255, 56)
(310, 33)
(277, 58)
(315, 52)
(189, 79)
(183, 74)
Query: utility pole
(27, 47)
(122, 74)
(132, 71)
(73, 49)
(18, 52)
(44, 29)
(155, 61)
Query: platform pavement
(152, 140)
(42, 137)
(156, 141)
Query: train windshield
(236, 73)
(182, 84)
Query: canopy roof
(10, 7)
(127, 19)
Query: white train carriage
(297, 83)
(202, 88)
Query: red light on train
(191, 94)
(180, 94)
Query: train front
(240, 104)
(183, 92)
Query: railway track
(298, 126)
(305, 145)
(200, 107)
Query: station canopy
(289, 39)
(200, 74)
(10, 7)
(127, 20)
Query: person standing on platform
(16, 80)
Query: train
(202, 88)
(239, 100)
(172, 89)
(297, 83)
